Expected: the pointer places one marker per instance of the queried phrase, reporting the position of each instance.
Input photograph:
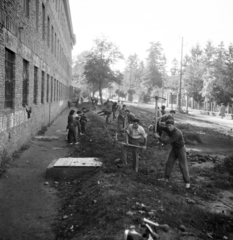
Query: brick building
(36, 40)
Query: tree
(175, 69)
(78, 78)
(155, 66)
(194, 74)
(99, 63)
(120, 93)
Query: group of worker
(76, 125)
(164, 124)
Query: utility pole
(181, 65)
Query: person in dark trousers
(83, 121)
(107, 110)
(121, 117)
(69, 103)
(114, 109)
(78, 124)
(71, 126)
(178, 151)
(135, 134)
(77, 103)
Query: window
(57, 48)
(35, 85)
(42, 87)
(37, 14)
(52, 40)
(54, 84)
(47, 96)
(48, 32)
(51, 97)
(43, 22)
(25, 82)
(55, 45)
(57, 90)
(9, 79)
(26, 8)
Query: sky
(133, 24)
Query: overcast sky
(132, 24)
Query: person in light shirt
(135, 134)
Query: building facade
(36, 40)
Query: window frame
(9, 99)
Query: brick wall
(19, 34)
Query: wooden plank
(85, 162)
(63, 162)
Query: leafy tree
(175, 68)
(194, 74)
(78, 78)
(120, 93)
(155, 66)
(131, 92)
(99, 63)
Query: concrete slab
(71, 167)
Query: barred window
(47, 97)
(57, 90)
(42, 87)
(25, 82)
(48, 32)
(52, 39)
(26, 8)
(55, 45)
(54, 89)
(51, 97)
(35, 85)
(9, 79)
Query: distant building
(36, 40)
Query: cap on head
(170, 121)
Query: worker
(178, 151)
(135, 134)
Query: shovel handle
(164, 227)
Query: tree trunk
(187, 103)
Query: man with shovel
(135, 134)
(178, 151)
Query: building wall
(21, 34)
